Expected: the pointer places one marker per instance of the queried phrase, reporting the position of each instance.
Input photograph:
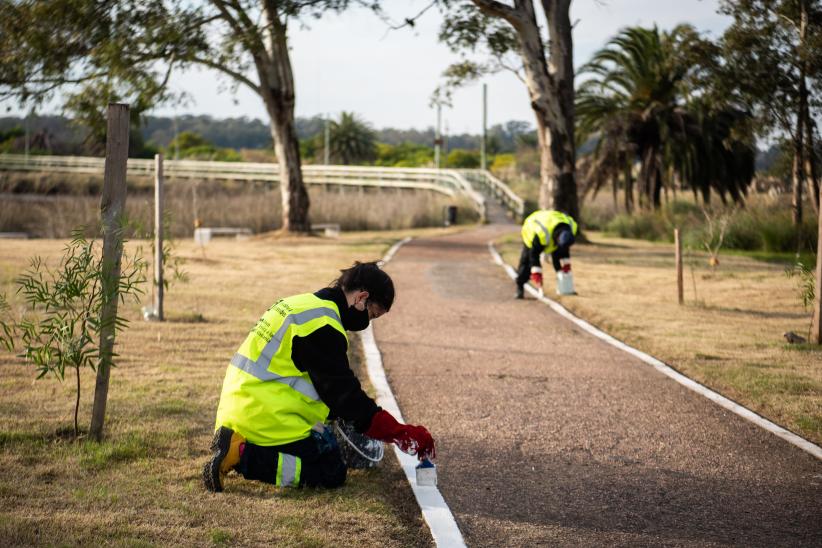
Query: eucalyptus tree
(774, 61)
(129, 48)
(647, 99)
(351, 140)
(510, 35)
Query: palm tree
(351, 140)
(646, 102)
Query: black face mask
(354, 320)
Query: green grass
(220, 537)
(810, 423)
(96, 456)
(786, 258)
(168, 407)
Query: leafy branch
(62, 325)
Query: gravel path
(548, 436)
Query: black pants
(321, 462)
(527, 260)
(524, 268)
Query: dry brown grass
(142, 485)
(728, 335)
(51, 205)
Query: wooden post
(679, 285)
(112, 207)
(158, 236)
(816, 324)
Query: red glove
(536, 276)
(414, 440)
(566, 268)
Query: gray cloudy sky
(350, 62)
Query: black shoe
(520, 293)
(215, 468)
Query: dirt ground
(548, 436)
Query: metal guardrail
(444, 181)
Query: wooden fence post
(680, 291)
(112, 208)
(816, 324)
(158, 236)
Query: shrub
(463, 159)
(503, 162)
(646, 226)
(760, 227)
(743, 233)
(404, 155)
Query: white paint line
(665, 369)
(434, 509)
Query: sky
(354, 62)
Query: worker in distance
(291, 376)
(544, 231)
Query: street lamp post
(483, 156)
(326, 141)
(438, 137)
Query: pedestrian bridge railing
(449, 182)
(496, 189)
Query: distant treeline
(239, 133)
(59, 135)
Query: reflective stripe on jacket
(541, 223)
(265, 398)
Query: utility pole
(326, 141)
(438, 137)
(28, 115)
(483, 159)
(176, 142)
(445, 140)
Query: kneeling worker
(290, 376)
(548, 231)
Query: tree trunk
(647, 179)
(796, 198)
(551, 89)
(277, 91)
(809, 157)
(799, 148)
(629, 188)
(657, 185)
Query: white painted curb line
(434, 509)
(665, 369)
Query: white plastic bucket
(565, 283)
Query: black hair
(368, 277)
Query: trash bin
(450, 215)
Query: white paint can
(565, 283)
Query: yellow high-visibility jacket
(541, 223)
(265, 398)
